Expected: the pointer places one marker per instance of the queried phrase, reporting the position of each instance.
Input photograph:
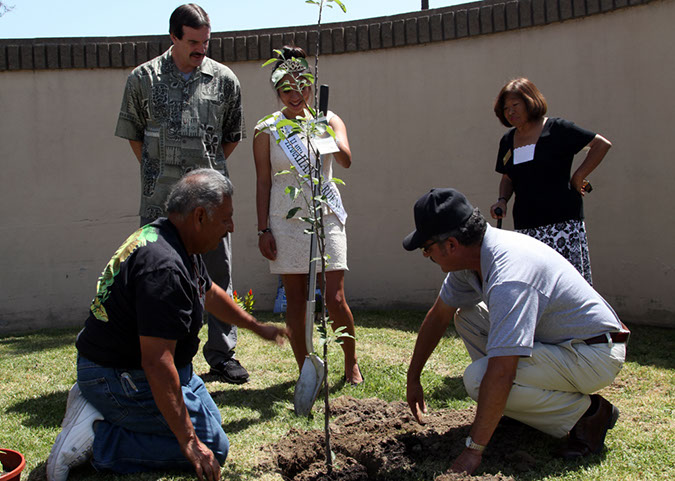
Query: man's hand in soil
(467, 462)
(415, 395)
(202, 458)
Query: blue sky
(110, 18)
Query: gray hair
(467, 234)
(199, 188)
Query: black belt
(617, 337)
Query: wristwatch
(261, 232)
(471, 445)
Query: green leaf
(292, 212)
(270, 61)
(293, 192)
(277, 75)
(265, 118)
(309, 77)
(286, 123)
(283, 172)
(342, 5)
(335, 180)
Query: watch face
(472, 445)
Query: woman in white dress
(282, 241)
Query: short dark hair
(188, 15)
(535, 103)
(470, 233)
(198, 188)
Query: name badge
(523, 154)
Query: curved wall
(416, 93)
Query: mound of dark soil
(375, 440)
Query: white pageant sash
(297, 153)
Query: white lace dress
(292, 243)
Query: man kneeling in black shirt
(137, 404)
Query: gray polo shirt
(533, 294)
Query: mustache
(195, 54)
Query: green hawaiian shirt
(182, 123)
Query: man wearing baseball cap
(541, 339)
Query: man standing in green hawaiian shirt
(182, 111)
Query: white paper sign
(325, 145)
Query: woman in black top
(535, 160)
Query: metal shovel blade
(308, 385)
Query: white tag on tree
(325, 145)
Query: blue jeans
(134, 436)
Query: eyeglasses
(426, 248)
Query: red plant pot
(13, 462)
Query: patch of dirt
(374, 440)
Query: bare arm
(228, 148)
(435, 323)
(158, 363)
(344, 156)
(494, 391)
(505, 193)
(221, 305)
(598, 148)
(263, 175)
(137, 147)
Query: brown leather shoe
(588, 434)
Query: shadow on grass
(85, 472)
(408, 321)
(38, 341)
(526, 454)
(515, 450)
(652, 346)
(264, 401)
(45, 411)
(451, 388)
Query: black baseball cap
(437, 212)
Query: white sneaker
(74, 443)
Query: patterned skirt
(569, 239)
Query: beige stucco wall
(418, 117)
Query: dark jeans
(134, 436)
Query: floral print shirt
(182, 123)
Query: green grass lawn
(38, 369)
